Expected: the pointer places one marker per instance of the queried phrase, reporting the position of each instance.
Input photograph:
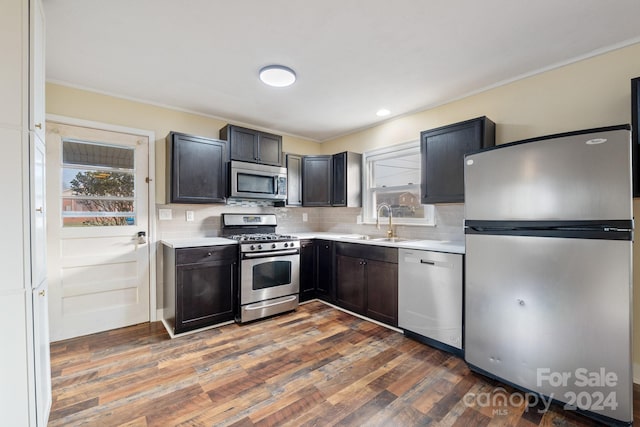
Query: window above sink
(391, 175)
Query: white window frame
(368, 159)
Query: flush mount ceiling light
(383, 112)
(277, 75)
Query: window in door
(98, 185)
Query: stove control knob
(286, 245)
(259, 246)
(252, 247)
(273, 245)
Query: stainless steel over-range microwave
(255, 181)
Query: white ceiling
(352, 57)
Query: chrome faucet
(390, 229)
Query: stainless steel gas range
(269, 265)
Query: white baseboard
(360, 316)
(636, 373)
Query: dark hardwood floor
(315, 367)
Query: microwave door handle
(275, 185)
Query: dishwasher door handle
(426, 261)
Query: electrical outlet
(191, 216)
(165, 214)
(305, 217)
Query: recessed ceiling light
(277, 75)
(383, 112)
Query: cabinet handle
(208, 253)
(40, 209)
(41, 293)
(38, 125)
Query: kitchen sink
(391, 239)
(378, 239)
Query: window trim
(411, 147)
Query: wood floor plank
(317, 366)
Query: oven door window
(271, 274)
(250, 183)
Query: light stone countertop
(427, 245)
(456, 247)
(197, 241)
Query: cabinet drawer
(376, 253)
(205, 254)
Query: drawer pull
(261, 306)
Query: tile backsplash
(449, 221)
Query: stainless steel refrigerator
(548, 279)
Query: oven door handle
(270, 253)
(251, 307)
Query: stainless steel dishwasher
(430, 297)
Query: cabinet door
(38, 214)
(350, 283)
(339, 184)
(382, 291)
(41, 352)
(36, 69)
(307, 270)
(198, 169)
(204, 294)
(324, 268)
(294, 180)
(443, 151)
(316, 180)
(243, 144)
(270, 149)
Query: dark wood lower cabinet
(367, 281)
(316, 270)
(382, 292)
(307, 270)
(351, 280)
(324, 270)
(199, 286)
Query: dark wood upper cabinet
(249, 145)
(316, 180)
(443, 150)
(294, 179)
(196, 169)
(332, 180)
(347, 180)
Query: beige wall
(590, 93)
(81, 104)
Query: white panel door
(98, 207)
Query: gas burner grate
(261, 237)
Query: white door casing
(99, 276)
